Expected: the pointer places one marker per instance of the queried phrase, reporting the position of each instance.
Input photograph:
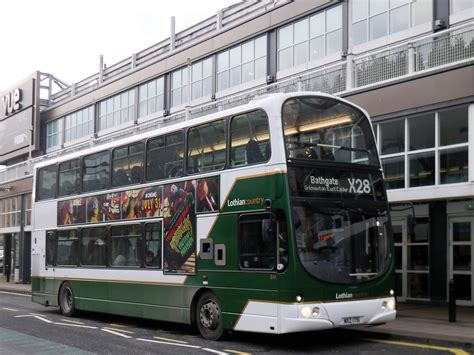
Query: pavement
(415, 321)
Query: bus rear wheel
(209, 317)
(66, 300)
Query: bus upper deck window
(47, 182)
(206, 147)
(127, 165)
(165, 157)
(95, 172)
(250, 139)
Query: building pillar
(438, 251)
(25, 246)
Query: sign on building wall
(19, 119)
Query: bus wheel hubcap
(67, 300)
(209, 315)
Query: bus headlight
(392, 292)
(306, 312)
(391, 304)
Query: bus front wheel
(66, 300)
(209, 317)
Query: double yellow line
(455, 351)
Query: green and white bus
(269, 217)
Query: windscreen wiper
(341, 147)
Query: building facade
(409, 63)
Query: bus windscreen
(327, 130)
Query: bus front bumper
(299, 317)
(314, 316)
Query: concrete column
(172, 33)
(411, 59)
(101, 69)
(350, 76)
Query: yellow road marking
(172, 340)
(119, 330)
(119, 325)
(10, 309)
(455, 351)
(72, 321)
(236, 352)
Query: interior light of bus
(317, 125)
(325, 124)
(244, 141)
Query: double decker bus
(269, 217)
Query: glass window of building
(242, 63)
(453, 126)
(422, 169)
(393, 137)
(53, 134)
(94, 246)
(373, 19)
(310, 39)
(461, 5)
(431, 160)
(151, 97)
(126, 245)
(69, 177)
(79, 124)
(201, 78)
(165, 157)
(250, 141)
(206, 147)
(394, 170)
(179, 86)
(47, 182)
(117, 109)
(10, 211)
(422, 131)
(95, 171)
(453, 165)
(127, 165)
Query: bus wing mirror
(268, 230)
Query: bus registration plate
(351, 320)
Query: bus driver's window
(255, 251)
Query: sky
(66, 38)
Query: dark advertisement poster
(207, 195)
(71, 211)
(332, 183)
(94, 209)
(111, 206)
(151, 201)
(180, 228)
